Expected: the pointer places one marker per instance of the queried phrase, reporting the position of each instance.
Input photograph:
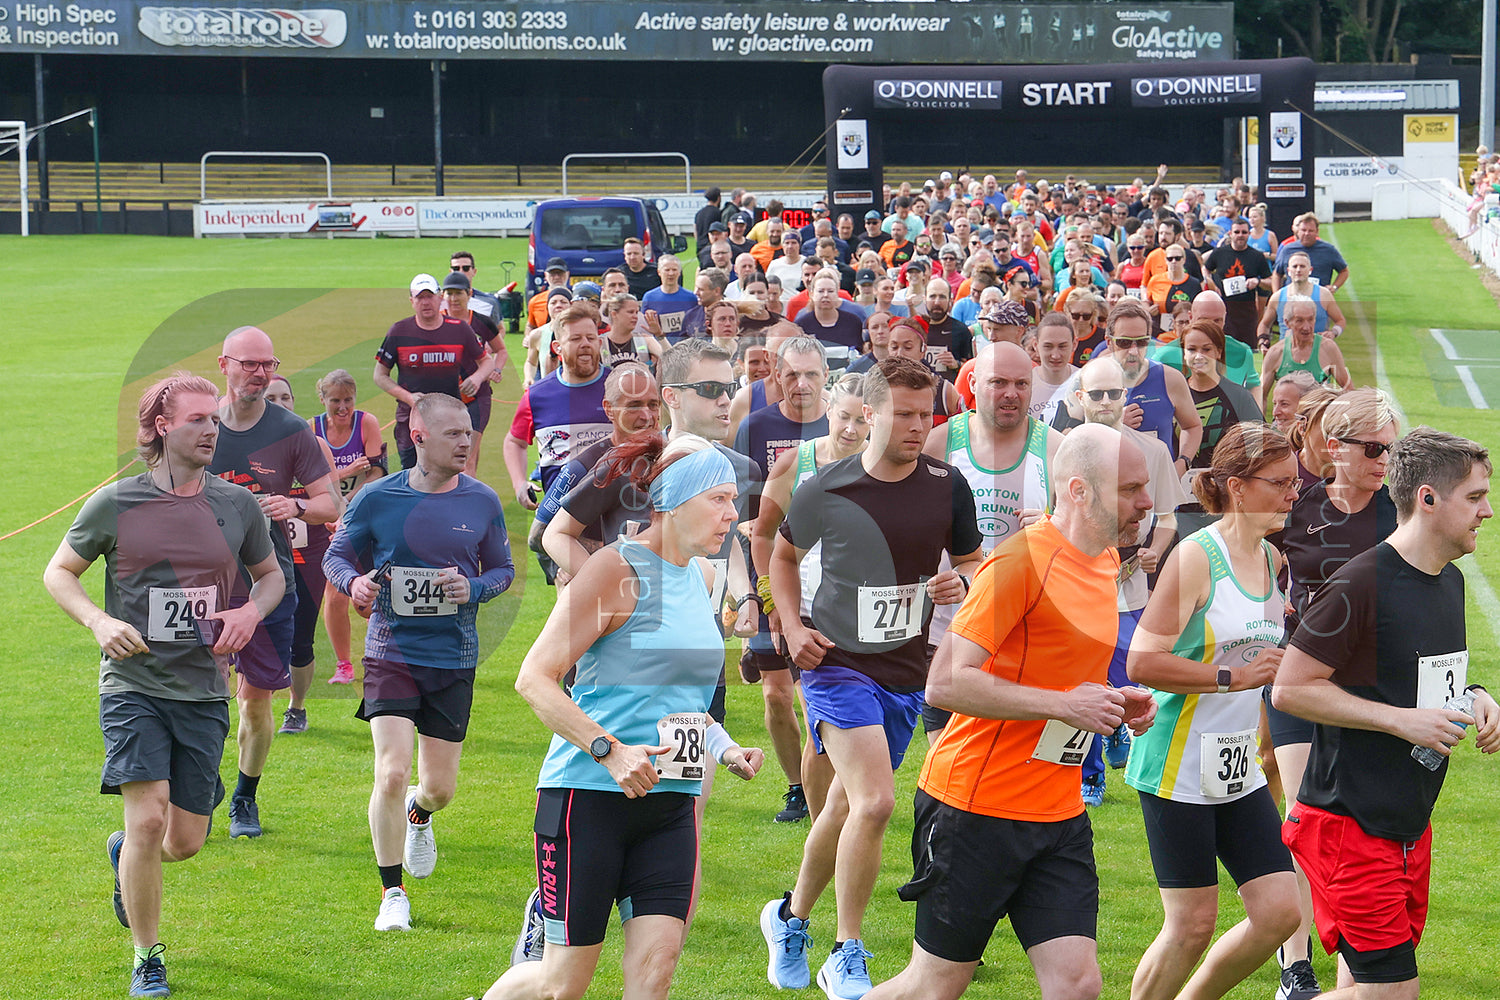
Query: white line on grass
(1471, 387)
(1484, 594)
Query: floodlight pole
(98, 196)
(45, 192)
(437, 127)
(1487, 78)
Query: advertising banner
(276, 218)
(647, 30)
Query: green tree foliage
(1356, 30)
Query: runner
(422, 646)
(1209, 640)
(864, 665)
(458, 301)
(1377, 680)
(1004, 455)
(1302, 350)
(1000, 823)
(359, 457)
(171, 619)
(612, 824)
(268, 450)
(848, 431)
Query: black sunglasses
(462, 267)
(1373, 449)
(1097, 395)
(708, 390)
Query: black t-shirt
(1394, 635)
(642, 281)
(876, 241)
(1225, 263)
(952, 336)
(881, 542)
(846, 331)
(429, 360)
(1319, 538)
(1220, 408)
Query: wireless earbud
(1428, 500)
(418, 439)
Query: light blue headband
(687, 477)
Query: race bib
(1136, 293)
(687, 734)
(1441, 677)
(296, 529)
(1166, 321)
(1238, 285)
(415, 593)
(1062, 744)
(892, 614)
(1226, 762)
(171, 612)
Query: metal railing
(247, 154)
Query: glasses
(1293, 485)
(1172, 257)
(462, 267)
(1097, 395)
(1373, 449)
(708, 390)
(1129, 343)
(1081, 316)
(1137, 249)
(251, 367)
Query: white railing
(1440, 198)
(245, 154)
(687, 166)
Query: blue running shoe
(112, 848)
(150, 977)
(244, 817)
(1117, 747)
(845, 976)
(532, 941)
(1093, 791)
(788, 941)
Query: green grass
(288, 916)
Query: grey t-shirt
(167, 560)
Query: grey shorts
(157, 739)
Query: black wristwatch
(600, 747)
(301, 506)
(1224, 678)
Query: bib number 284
(686, 734)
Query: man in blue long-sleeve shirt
(438, 541)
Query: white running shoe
(421, 848)
(395, 911)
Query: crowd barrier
(1440, 198)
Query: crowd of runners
(1075, 475)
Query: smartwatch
(1224, 678)
(301, 506)
(600, 747)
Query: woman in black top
(1333, 521)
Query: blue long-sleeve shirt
(419, 533)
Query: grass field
(288, 916)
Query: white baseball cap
(424, 283)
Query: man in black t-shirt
(949, 342)
(640, 273)
(1242, 275)
(864, 653)
(1375, 677)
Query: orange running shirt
(1045, 613)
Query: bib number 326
(1227, 763)
(415, 593)
(686, 734)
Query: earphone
(418, 438)
(1428, 500)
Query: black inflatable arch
(860, 102)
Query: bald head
(247, 341)
(1102, 485)
(1103, 378)
(248, 364)
(1002, 386)
(1208, 305)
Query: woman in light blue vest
(1207, 643)
(614, 818)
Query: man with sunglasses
(1241, 274)
(1301, 349)
(462, 262)
(267, 449)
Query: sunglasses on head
(1097, 395)
(1373, 449)
(708, 390)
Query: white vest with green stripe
(1202, 746)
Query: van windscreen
(587, 227)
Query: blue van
(590, 233)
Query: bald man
(1005, 455)
(1239, 360)
(1005, 833)
(267, 449)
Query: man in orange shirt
(1000, 823)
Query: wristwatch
(1224, 678)
(600, 747)
(301, 505)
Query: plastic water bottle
(1430, 758)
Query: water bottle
(1430, 758)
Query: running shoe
(845, 976)
(343, 673)
(293, 720)
(150, 977)
(1093, 791)
(532, 940)
(1117, 747)
(1298, 982)
(796, 805)
(112, 848)
(421, 848)
(788, 941)
(395, 911)
(244, 817)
